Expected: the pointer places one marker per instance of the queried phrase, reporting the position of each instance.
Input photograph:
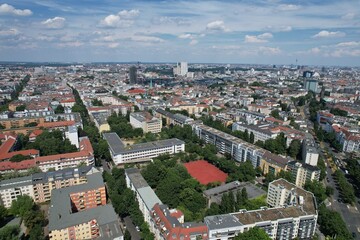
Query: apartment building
(261, 132)
(241, 150)
(174, 119)
(121, 153)
(100, 120)
(169, 224)
(292, 214)
(146, 122)
(143, 192)
(310, 154)
(72, 216)
(302, 172)
(40, 185)
(348, 138)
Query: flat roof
(118, 147)
(149, 197)
(221, 221)
(136, 178)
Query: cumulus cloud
(217, 26)
(278, 28)
(171, 20)
(129, 14)
(327, 34)
(9, 32)
(124, 18)
(288, 7)
(54, 23)
(262, 38)
(8, 9)
(71, 44)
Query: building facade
(141, 152)
(146, 122)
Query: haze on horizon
(232, 31)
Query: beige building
(146, 122)
(303, 172)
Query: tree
(294, 149)
(2, 126)
(22, 205)
(59, 109)
(10, 232)
(20, 108)
(252, 138)
(253, 234)
(331, 224)
(275, 114)
(3, 214)
(19, 158)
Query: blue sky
(315, 32)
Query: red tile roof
(23, 165)
(7, 145)
(56, 124)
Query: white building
(141, 152)
(72, 135)
(181, 69)
(10, 189)
(310, 155)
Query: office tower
(132, 75)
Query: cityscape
(183, 120)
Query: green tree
(21, 108)
(3, 214)
(19, 158)
(294, 149)
(251, 138)
(59, 109)
(10, 232)
(21, 206)
(253, 234)
(275, 114)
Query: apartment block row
(85, 155)
(291, 213)
(81, 212)
(146, 122)
(175, 119)
(121, 153)
(39, 186)
(241, 150)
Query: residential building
(311, 85)
(39, 186)
(241, 150)
(72, 135)
(100, 120)
(121, 153)
(310, 155)
(175, 119)
(81, 212)
(146, 122)
(143, 192)
(168, 224)
(261, 132)
(181, 69)
(302, 172)
(292, 214)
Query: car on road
(354, 235)
(137, 228)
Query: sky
(304, 32)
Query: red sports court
(204, 172)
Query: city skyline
(258, 32)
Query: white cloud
(194, 42)
(54, 23)
(265, 36)
(348, 16)
(348, 44)
(278, 28)
(327, 34)
(129, 14)
(8, 9)
(288, 7)
(253, 39)
(148, 39)
(262, 38)
(186, 36)
(345, 53)
(217, 26)
(124, 18)
(9, 32)
(269, 51)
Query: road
(349, 213)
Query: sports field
(204, 172)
